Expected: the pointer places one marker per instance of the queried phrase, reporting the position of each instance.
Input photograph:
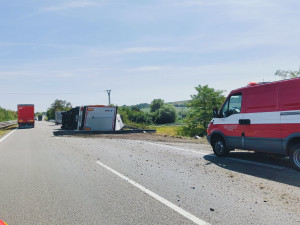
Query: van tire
(295, 156)
(220, 148)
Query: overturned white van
(99, 118)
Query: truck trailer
(26, 115)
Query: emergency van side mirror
(215, 112)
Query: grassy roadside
(7, 130)
(172, 132)
(165, 130)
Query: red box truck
(262, 117)
(26, 115)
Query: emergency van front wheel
(220, 149)
(295, 156)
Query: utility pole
(108, 93)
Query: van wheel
(295, 156)
(220, 149)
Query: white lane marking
(7, 135)
(229, 158)
(56, 137)
(156, 196)
(172, 147)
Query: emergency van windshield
(232, 105)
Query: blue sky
(141, 50)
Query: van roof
(259, 84)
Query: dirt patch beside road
(149, 137)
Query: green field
(178, 109)
(171, 130)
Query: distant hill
(180, 106)
(176, 104)
(142, 105)
(179, 103)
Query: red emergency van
(26, 115)
(262, 117)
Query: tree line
(6, 115)
(196, 118)
(57, 105)
(160, 113)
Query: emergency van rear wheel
(295, 156)
(220, 149)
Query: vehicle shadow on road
(258, 165)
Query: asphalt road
(77, 180)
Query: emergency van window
(232, 106)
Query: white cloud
(36, 73)
(191, 3)
(144, 69)
(9, 74)
(94, 52)
(72, 5)
(134, 50)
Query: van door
(230, 121)
(263, 133)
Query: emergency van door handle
(243, 140)
(244, 122)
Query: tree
(142, 105)
(166, 114)
(287, 73)
(58, 105)
(134, 115)
(6, 115)
(201, 112)
(156, 104)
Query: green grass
(7, 130)
(178, 109)
(171, 130)
(165, 130)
